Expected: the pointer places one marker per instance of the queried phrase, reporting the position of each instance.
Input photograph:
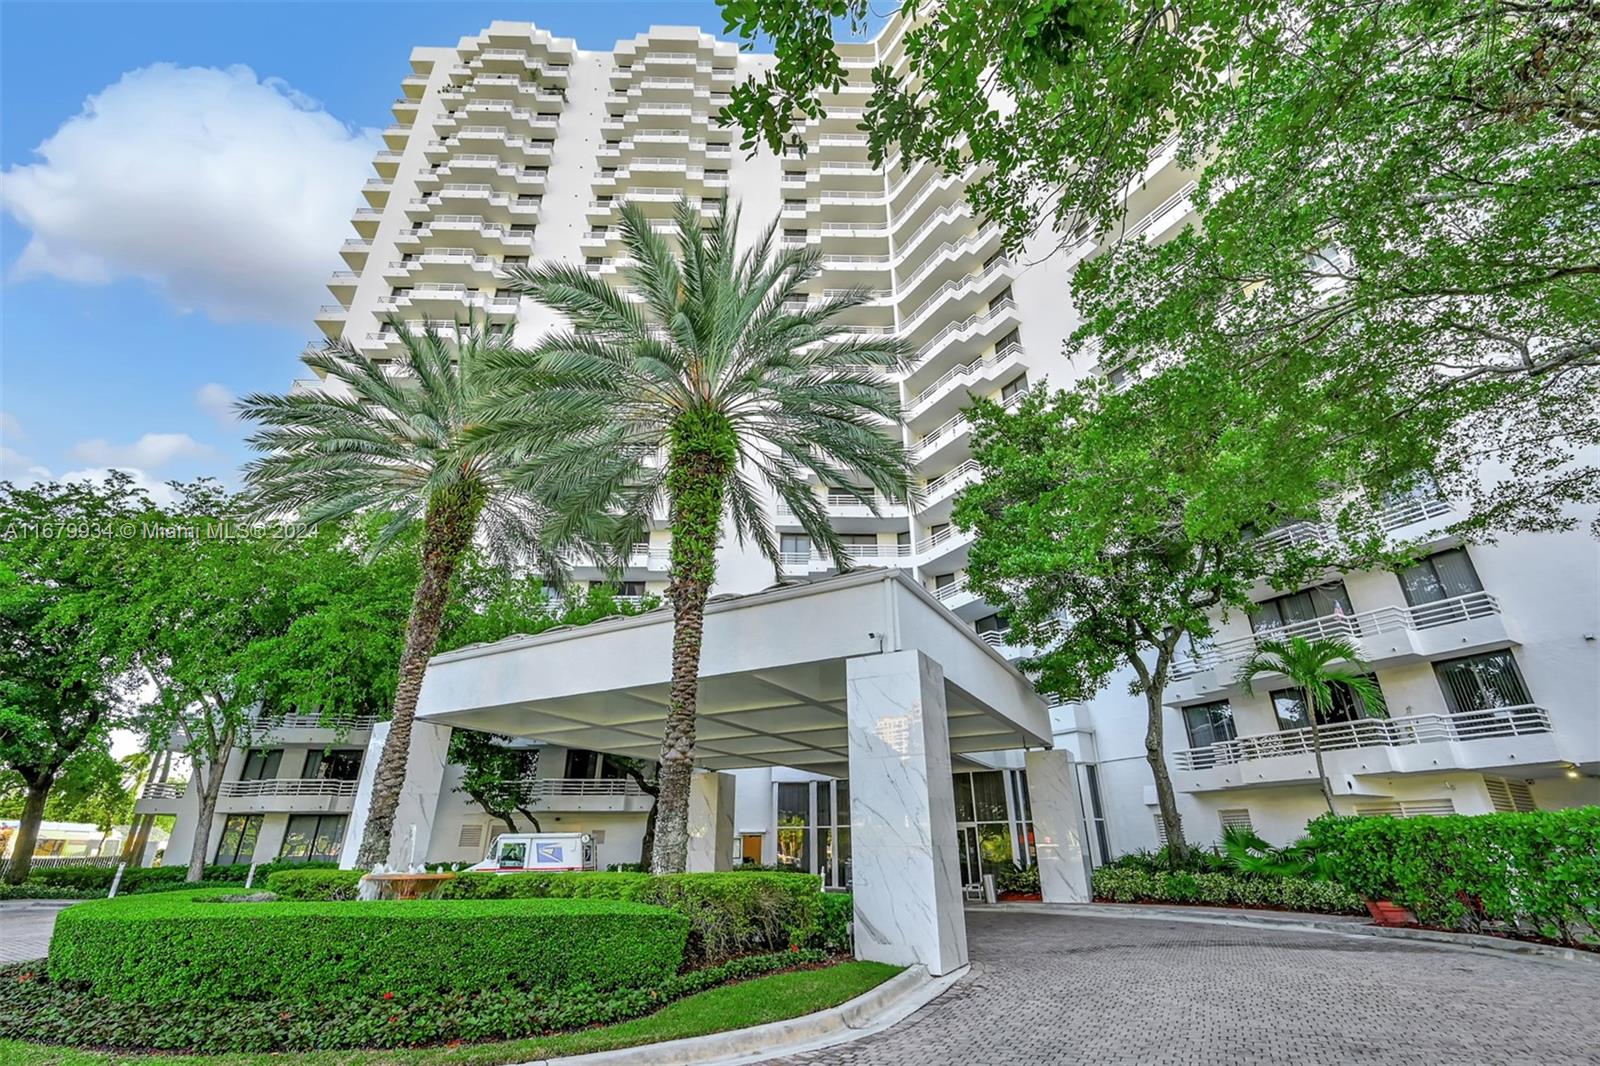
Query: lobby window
(1208, 723)
(1346, 705)
(313, 838)
(984, 837)
(1482, 683)
(260, 764)
(1320, 601)
(238, 840)
(342, 765)
(1441, 576)
(794, 824)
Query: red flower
(393, 1018)
(388, 995)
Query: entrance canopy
(772, 688)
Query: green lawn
(737, 1006)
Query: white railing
(1412, 509)
(163, 790)
(315, 721)
(965, 469)
(1429, 728)
(288, 786)
(963, 370)
(994, 312)
(1149, 221)
(1353, 627)
(953, 590)
(547, 788)
(1296, 535)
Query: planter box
(1391, 914)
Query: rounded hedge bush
(184, 946)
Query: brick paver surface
(1070, 989)
(25, 928)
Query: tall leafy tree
(716, 360)
(1314, 665)
(391, 438)
(64, 555)
(1116, 527)
(1399, 195)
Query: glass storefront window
(794, 825)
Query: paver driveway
(25, 926)
(1051, 988)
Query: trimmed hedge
(1535, 872)
(835, 923)
(729, 914)
(1121, 885)
(178, 947)
(37, 1007)
(97, 879)
(326, 886)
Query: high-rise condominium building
(515, 146)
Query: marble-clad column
(1058, 827)
(907, 882)
(710, 822)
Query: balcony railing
(163, 790)
(546, 788)
(315, 721)
(1232, 653)
(1413, 509)
(288, 786)
(1371, 733)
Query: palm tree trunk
(28, 829)
(1316, 751)
(701, 460)
(451, 520)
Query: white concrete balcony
(1387, 636)
(343, 285)
(331, 319)
(983, 373)
(800, 564)
(1414, 510)
(444, 299)
(947, 484)
(923, 316)
(414, 86)
(840, 505)
(461, 265)
(479, 140)
(1495, 739)
(387, 163)
(981, 329)
(355, 252)
(160, 797)
(404, 110)
(469, 230)
(1163, 219)
(292, 794)
(942, 545)
(585, 795)
(311, 729)
(956, 594)
(365, 221)
(395, 138)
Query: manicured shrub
(835, 921)
(319, 885)
(729, 914)
(175, 947)
(1532, 873)
(1024, 880)
(97, 879)
(1123, 885)
(39, 1007)
(29, 890)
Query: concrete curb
(872, 1011)
(1484, 945)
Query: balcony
(584, 794)
(293, 794)
(312, 729)
(160, 797)
(1499, 738)
(1387, 636)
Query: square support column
(419, 795)
(907, 881)
(1062, 853)
(710, 822)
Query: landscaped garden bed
(507, 958)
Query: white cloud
(14, 466)
(151, 451)
(217, 401)
(10, 427)
(229, 193)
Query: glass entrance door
(971, 857)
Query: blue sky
(166, 252)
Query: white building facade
(515, 146)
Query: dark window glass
(794, 822)
(794, 544)
(1346, 706)
(611, 770)
(581, 763)
(1015, 388)
(991, 623)
(1208, 723)
(989, 796)
(312, 838)
(238, 840)
(1441, 576)
(260, 765)
(343, 765)
(963, 787)
(1320, 601)
(1482, 682)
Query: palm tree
(391, 438)
(714, 360)
(1310, 664)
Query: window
(794, 823)
(1347, 706)
(859, 540)
(313, 838)
(1097, 813)
(794, 546)
(619, 588)
(1319, 601)
(1209, 723)
(943, 581)
(1011, 338)
(1482, 683)
(984, 838)
(1441, 576)
(343, 765)
(903, 538)
(260, 765)
(582, 763)
(238, 841)
(1017, 387)
(992, 623)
